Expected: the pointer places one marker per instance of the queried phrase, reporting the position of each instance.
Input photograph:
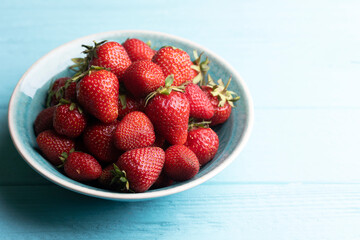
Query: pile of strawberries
(133, 118)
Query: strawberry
(52, 145)
(113, 178)
(44, 120)
(98, 94)
(61, 88)
(106, 176)
(221, 99)
(142, 167)
(110, 55)
(200, 105)
(98, 140)
(159, 141)
(129, 104)
(138, 50)
(82, 167)
(169, 112)
(181, 163)
(162, 181)
(174, 61)
(69, 119)
(134, 131)
(204, 142)
(221, 114)
(143, 77)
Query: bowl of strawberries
(130, 115)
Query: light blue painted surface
(297, 178)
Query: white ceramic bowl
(29, 96)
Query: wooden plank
(300, 145)
(233, 211)
(14, 170)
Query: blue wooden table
(297, 178)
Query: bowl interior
(29, 99)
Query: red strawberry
(174, 61)
(69, 120)
(109, 55)
(138, 50)
(143, 77)
(204, 142)
(134, 131)
(98, 140)
(169, 114)
(159, 141)
(142, 167)
(162, 181)
(82, 167)
(106, 176)
(52, 145)
(181, 163)
(221, 114)
(221, 99)
(44, 120)
(128, 104)
(200, 105)
(61, 88)
(98, 94)
(113, 178)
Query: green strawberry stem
(72, 106)
(194, 124)
(149, 44)
(122, 95)
(202, 67)
(80, 75)
(50, 94)
(227, 84)
(220, 90)
(166, 89)
(83, 64)
(63, 157)
(63, 101)
(119, 179)
(122, 98)
(169, 46)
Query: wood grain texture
(210, 211)
(297, 178)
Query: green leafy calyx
(193, 124)
(166, 89)
(221, 91)
(83, 64)
(64, 156)
(202, 67)
(119, 180)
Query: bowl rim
(130, 196)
